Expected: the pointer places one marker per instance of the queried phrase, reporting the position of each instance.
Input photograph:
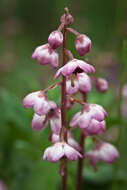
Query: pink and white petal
(84, 82)
(41, 106)
(58, 73)
(86, 67)
(75, 119)
(74, 144)
(29, 100)
(71, 89)
(38, 122)
(55, 138)
(54, 153)
(71, 153)
(69, 68)
(55, 123)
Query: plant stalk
(81, 160)
(63, 133)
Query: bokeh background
(25, 24)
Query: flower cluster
(75, 79)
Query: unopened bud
(55, 39)
(82, 44)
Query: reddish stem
(80, 160)
(73, 31)
(63, 132)
(80, 164)
(51, 87)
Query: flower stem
(51, 87)
(80, 163)
(73, 31)
(80, 160)
(63, 132)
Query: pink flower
(46, 55)
(69, 19)
(60, 149)
(90, 118)
(82, 44)
(72, 89)
(105, 152)
(55, 39)
(71, 141)
(101, 85)
(39, 102)
(95, 127)
(53, 116)
(75, 66)
(84, 82)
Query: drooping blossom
(90, 118)
(46, 55)
(95, 127)
(39, 102)
(101, 85)
(70, 140)
(82, 44)
(60, 149)
(103, 151)
(53, 116)
(82, 83)
(75, 66)
(55, 39)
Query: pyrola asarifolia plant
(90, 119)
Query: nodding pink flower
(69, 19)
(70, 140)
(46, 55)
(40, 103)
(59, 150)
(75, 66)
(101, 85)
(53, 116)
(84, 118)
(82, 44)
(55, 39)
(72, 89)
(105, 152)
(84, 82)
(95, 127)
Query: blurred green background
(25, 24)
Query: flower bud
(69, 19)
(101, 85)
(82, 44)
(55, 39)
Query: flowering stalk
(90, 119)
(63, 132)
